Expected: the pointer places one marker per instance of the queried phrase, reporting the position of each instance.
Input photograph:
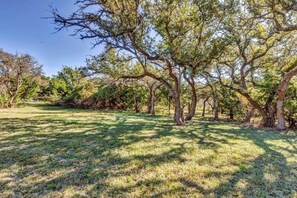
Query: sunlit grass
(57, 152)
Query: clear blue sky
(23, 30)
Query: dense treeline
(237, 57)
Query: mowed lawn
(48, 151)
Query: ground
(48, 151)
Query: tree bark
(192, 107)
(266, 113)
(204, 104)
(178, 110)
(169, 105)
(215, 107)
(135, 100)
(249, 112)
(281, 92)
(152, 98)
(193, 104)
(231, 113)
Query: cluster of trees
(20, 77)
(238, 57)
(246, 50)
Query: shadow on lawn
(82, 154)
(272, 163)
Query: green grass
(48, 151)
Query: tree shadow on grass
(269, 175)
(54, 154)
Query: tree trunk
(169, 105)
(204, 104)
(215, 107)
(249, 112)
(149, 103)
(267, 113)
(152, 105)
(135, 100)
(231, 113)
(268, 121)
(152, 97)
(281, 92)
(175, 92)
(193, 104)
(292, 122)
(178, 112)
(281, 122)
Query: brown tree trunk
(215, 107)
(175, 92)
(192, 108)
(135, 100)
(178, 111)
(281, 92)
(231, 113)
(193, 104)
(268, 120)
(204, 104)
(249, 112)
(266, 113)
(149, 101)
(169, 105)
(152, 97)
(152, 105)
(292, 122)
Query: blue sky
(23, 30)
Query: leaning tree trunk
(175, 92)
(281, 92)
(204, 104)
(267, 113)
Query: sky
(23, 29)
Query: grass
(48, 151)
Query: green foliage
(20, 77)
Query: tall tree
(282, 14)
(18, 75)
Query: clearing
(48, 151)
